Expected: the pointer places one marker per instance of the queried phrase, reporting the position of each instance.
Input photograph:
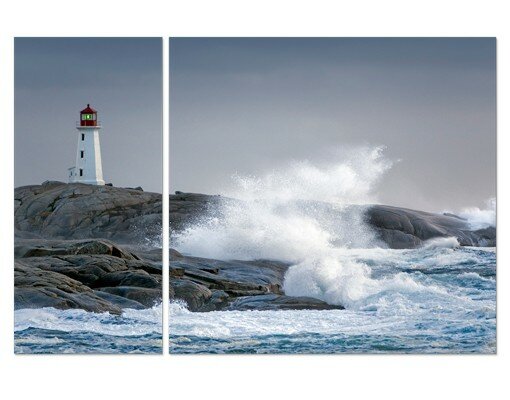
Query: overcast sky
(55, 78)
(248, 105)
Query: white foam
(275, 219)
(130, 323)
(384, 298)
(339, 278)
(228, 324)
(475, 276)
(445, 242)
(401, 306)
(350, 179)
(479, 218)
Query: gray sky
(249, 105)
(55, 78)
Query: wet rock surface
(56, 210)
(278, 302)
(67, 251)
(94, 275)
(396, 227)
(36, 288)
(208, 285)
(402, 228)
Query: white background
(250, 377)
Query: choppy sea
(429, 300)
(52, 331)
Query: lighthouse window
(82, 136)
(81, 172)
(81, 153)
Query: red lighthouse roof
(88, 110)
(88, 116)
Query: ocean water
(430, 300)
(52, 331)
(439, 298)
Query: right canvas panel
(332, 195)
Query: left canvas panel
(87, 199)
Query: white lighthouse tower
(88, 167)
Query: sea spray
(344, 276)
(439, 298)
(480, 218)
(290, 214)
(303, 214)
(476, 217)
(349, 179)
(148, 236)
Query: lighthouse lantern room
(88, 117)
(88, 168)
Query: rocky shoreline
(87, 247)
(396, 227)
(210, 285)
(97, 248)
(206, 284)
(94, 275)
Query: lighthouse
(88, 168)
